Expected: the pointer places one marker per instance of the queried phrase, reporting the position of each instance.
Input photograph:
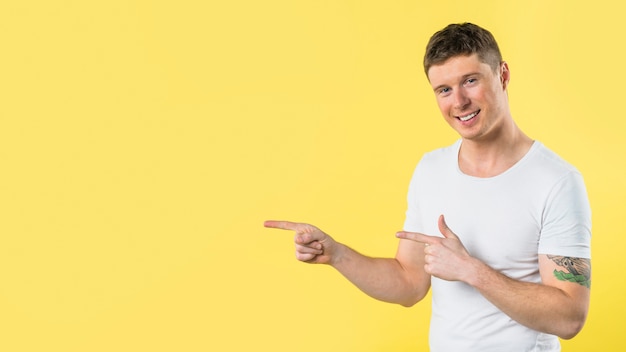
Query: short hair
(462, 39)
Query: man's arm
(400, 280)
(558, 305)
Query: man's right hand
(312, 244)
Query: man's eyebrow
(464, 77)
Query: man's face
(471, 97)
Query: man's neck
(493, 157)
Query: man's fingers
(305, 257)
(311, 248)
(309, 240)
(283, 225)
(418, 237)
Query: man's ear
(505, 74)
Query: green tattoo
(578, 269)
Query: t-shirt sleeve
(566, 229)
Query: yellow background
(143, 143)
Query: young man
(497, 224)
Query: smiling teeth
(467, 117)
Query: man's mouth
(468, 116)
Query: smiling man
(497, 225)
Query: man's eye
(470, 80)
(444, 90)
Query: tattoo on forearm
(578, 270)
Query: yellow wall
(143, 143)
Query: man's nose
(461, 100)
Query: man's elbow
(409, 303)
(573, 328)
(412, 300)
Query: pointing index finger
(418, 237)
(283, 225)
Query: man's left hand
(445, 257)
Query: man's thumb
(444, 229)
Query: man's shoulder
(443, 153)
(437, 163)
(549, 161)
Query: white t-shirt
(539, 205)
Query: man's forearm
(538, 306)
(385, 279)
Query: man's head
(462, 40)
